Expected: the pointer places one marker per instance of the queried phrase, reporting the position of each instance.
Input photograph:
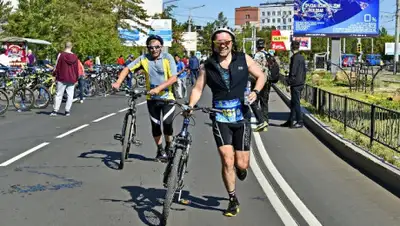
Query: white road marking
(273, 198)
(71, 131)
(297, 203)
(125, 109)
(104, 117)
(8, 162)
(122, 110)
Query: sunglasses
(153, 47)
(222, 42)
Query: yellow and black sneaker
(233, 208)
(261, 127)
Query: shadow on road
(145, 200)
(111, 158)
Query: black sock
(159, 146)
(167, 145)
(232, 195)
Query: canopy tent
(28, 40)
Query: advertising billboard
(189, 41)
(336, 18)
(280, 41)
(389, 48)
(133, 37)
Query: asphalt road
(73, 179)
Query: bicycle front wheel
(23, 99)
(42, 97)
(172, 185)
(126, 144)
(4, 102)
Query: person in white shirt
(4, 60)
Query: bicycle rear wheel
(4, 102)
(172, 185)
(126, 144)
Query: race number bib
(231, 110)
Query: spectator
(81, 81)
(181, 83)
(97, 61)
(194, 66)
(31, 59)
(89, 63)
(296, 81)
(121, 60)
(66, 73)
(4, 60)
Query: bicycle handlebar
(184, 107)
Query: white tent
(28, 40)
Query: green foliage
(5, 10)
(90, 24)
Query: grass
(357, 138)
(385, 94)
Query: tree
(5, 10)
(90, 24)
(222, 21)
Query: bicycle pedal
(118, 137)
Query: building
(247, 15)
(278, 14)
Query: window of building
(284, 20)
(263, 13)
(289, 20)
(289, 27)
(279, 27)
(284, 27)
(278, 20)
(263, 21)
(279, 13)
(268, 21)
(273, 20)
(247, 16)
(248, 23)
(284, 13)
(268, 13)
(290, 12)
(273, 13)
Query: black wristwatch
(256, 91)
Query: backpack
(273, 70)
(193, 63)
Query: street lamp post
(190, 16)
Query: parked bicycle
(178, 162)
(128, 135)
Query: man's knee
(242, 159)
(227, 157)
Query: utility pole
(396, 44)
(344, 45)
(190, 17)
(361, 52)
(372, 45)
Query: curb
(373, 165)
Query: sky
(212, 7)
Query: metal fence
(380, 124)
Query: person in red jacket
(66, 73)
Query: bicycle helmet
(223, 29)
(260, 43)
(154, 37)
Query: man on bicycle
(160, 71)
(226, 72)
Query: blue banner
(336, 18)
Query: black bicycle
(128, 135)
(178, 161)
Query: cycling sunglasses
(222, 42)
(153, 47)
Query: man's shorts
(236, 134)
